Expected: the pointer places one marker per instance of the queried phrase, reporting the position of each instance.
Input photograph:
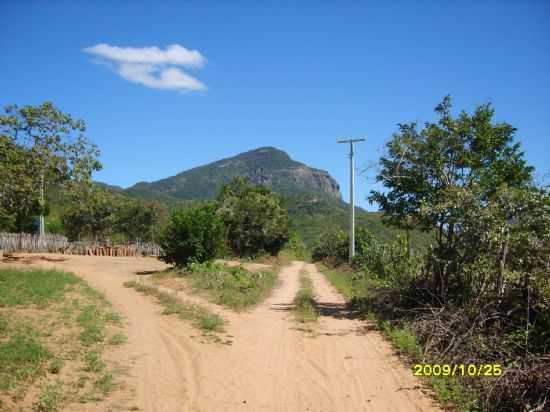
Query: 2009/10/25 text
(457, 370)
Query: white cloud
(154, 67)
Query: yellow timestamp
(437, 369)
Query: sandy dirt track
(270, 364)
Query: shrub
(333, 247)
(255, 218)
(386, 261)
(369, 252)
(194, 234)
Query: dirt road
(269, 366)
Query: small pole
(351, 195)
(41, 229)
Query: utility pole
(41, 228)
(351, 194)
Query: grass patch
(450, 392)
(22, 358)
(94, 362)
(93, 326)
(51, 321)
(347, 283)
(113, 317)
(39, 287)
(50, 399)
(234, 287)
(198, 315)
(305, 307)
(105, 384)
(404, 339)
(118, 339)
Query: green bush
(369, 252)
(194, 234)
(255, 217)
(333, 247)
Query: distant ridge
(311, 195)
(266, 166)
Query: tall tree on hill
(39, 146)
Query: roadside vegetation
(480, 294)
(53, 331)
(305, 308)
(42, 147)
(295, 249)
(199, 316)
(245, 222)
(234, 287)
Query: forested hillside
(311, 195)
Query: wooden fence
(51, 243)
(105, 249)
(29, 243)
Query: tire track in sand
(270, 366)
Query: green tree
(136, 219)
(39, 146)
(91, 213)
(431, 171)
(255, 218)
(15, 186)
(193, 234)
(452, 153)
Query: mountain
(265, 166)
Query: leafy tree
(55, 225)
(15, 203)
(194, 234)
(454, 152)
(255, 218)
(429, 172)
(90, 213)
(136, 219)
(41, 145)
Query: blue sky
(294, 76)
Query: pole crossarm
(351, 194)
(351, 140)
